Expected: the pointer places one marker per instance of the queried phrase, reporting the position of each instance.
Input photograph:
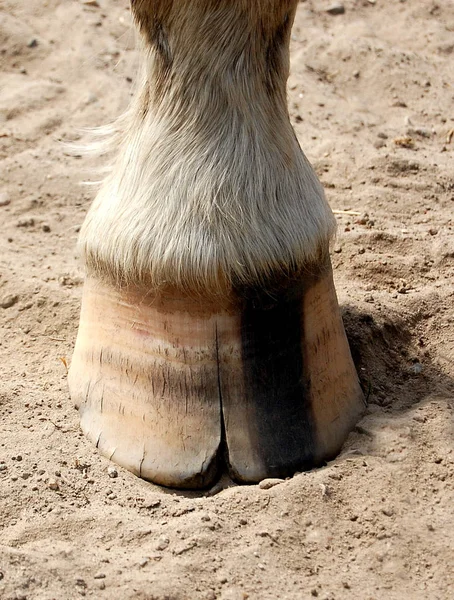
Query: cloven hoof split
(178, 390)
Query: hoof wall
(178, 390)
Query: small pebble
(25, 222)
(52, 484)
(46, 228)
(143, 563)
(112, 472)
(336, 9)
(162, 543)
(4, 200)
(9, 301)
(100, 576)
(32, 43)
(267, 484)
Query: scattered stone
(336, 9)
(405, 142)
(433, 231)
(52, 484)
(143, 563)
(267, 484)
(90, 3)
(68, 281)
(326, 492)
(420, 418)
(182, 549)
(9, 301)
(163, 542)
(46, 228)
(32, 43)
(112, 472)
(26, 222)
(152, 504)
(100, 576)
(3, 467)
(4, 200)
(388, 512)
(18, 458)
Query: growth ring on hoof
(178, 389)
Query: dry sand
(371, 97)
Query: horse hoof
(178, 389)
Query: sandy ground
(371, 97)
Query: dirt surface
(371, 97)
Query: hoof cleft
(178, 389)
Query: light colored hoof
(178, 389)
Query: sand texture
(371, 97)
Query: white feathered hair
(208, 188)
